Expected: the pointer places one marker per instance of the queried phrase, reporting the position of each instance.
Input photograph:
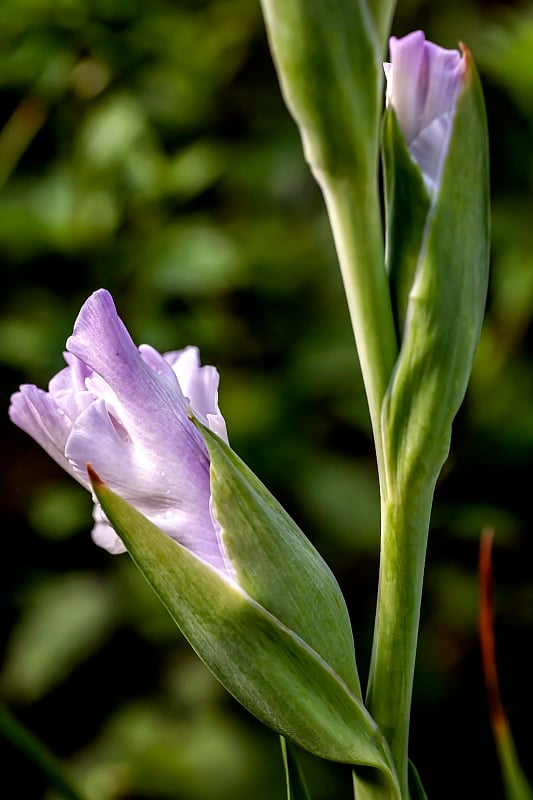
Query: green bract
(406, 199)
(276, 564)
(278, 636)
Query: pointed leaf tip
(468, 60)
(94, 477)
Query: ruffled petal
(150, 408)
(406, 88)
(432, 139)
(128, 467)
(200, 387)
(38, 414)
(177, 501)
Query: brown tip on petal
(93, 476)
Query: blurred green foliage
(145, 147)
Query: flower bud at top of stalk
(423, 84)
(436, 187)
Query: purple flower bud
(423, 84)
(123, 410)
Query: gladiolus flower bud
(435, 164)
(423, 84)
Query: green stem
(382, 12)
(296, 786)
(405, 524)
(36, 752)
(355, 218)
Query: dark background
(145, 147)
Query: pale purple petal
(38, 413)
(122, 409)
(139, 477)
(104, 535)
(406, 87)
(217, 424)
(158, 364)
(72, 378)
(423, 85)
(101, 341)
(153, 413)
(200, 387)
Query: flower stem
(405, 524)
(37, 753)
(355, 218)
(354, 212)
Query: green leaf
(276, 564)
(329, 58)
(296, 788)
(369, 784)
(416, 790)
(329, 54)
(406, 210)
(263, 664)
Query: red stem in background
(486, 633)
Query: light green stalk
(403, 550)
(353, 209)
(328, 54)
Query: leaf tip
(468, 62)
(95, 479)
